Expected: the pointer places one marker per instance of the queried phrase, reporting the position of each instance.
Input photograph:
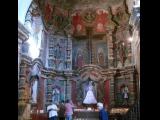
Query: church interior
(77, 50)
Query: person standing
(103, 114)
(61, 112)
(52, 110)
(69, 110)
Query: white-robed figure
(90, 98)
(35, 73)
(34, 91)
(56, 95)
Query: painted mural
(57, 51)
(122, 92)
(100, 21)
(78, 24)
(101, 53)
(55, 90)
(80, 53)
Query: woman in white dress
(90, 98)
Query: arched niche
(90, 73)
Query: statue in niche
(79, 60)
(101, 59)
(90, 97)
(34, 89)
(35, 70)
(125, 94)
(60, 66)
(122, 50)
(57, 51)
(56, 95)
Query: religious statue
(79, 61)
(35, 70)
(125, 94)
(56, 95)
(90, 98)
(34, 90)
(57, 51)
(122, 50)
(100, 57)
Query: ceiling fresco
(58, 14)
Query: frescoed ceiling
(58, 14)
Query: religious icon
(34, 90)
(101, 20)
(48, 11)
(78, 24)
(90, 98)
(79, 60)
(56, 95)
(125, 94)
(101, 59)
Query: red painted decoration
(107, 88)
(48, 11)
(100, 21)
(78, 24)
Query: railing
(133, 113)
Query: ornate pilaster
(110, 50)
(24, 90)
(19, 55)
(69, 53)
(132, 84)
(68, 85)
(112, 88)
(23, 71)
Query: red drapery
(107, 91)
(74, 92)
(78, 23)
(100, 21)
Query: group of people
(65, 111)
(61, 112)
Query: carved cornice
(26, 58)
(23, 33)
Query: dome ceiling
(58, 14)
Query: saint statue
(34, 91)
(56, 95)
(90, 98)
(125, 94)
(101, 59)
(79, 61)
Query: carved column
(110, 50)
(129, 54)
(24, 90)
(19, 55)
(68, 85)
(132, 83)
(41, 92)
(23, 70)
(69, 53)
(112, 92)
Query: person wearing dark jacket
(103, 114)
(61, 112)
